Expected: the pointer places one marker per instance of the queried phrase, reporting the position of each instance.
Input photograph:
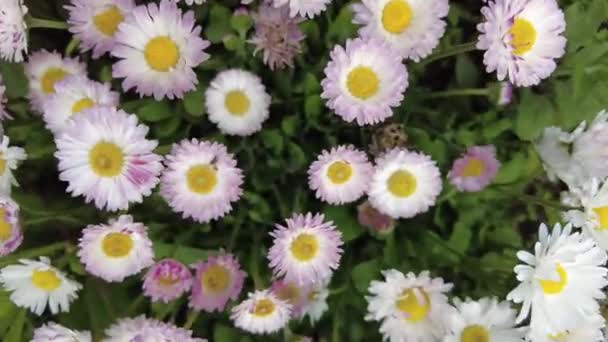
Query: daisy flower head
(4, 114)
(411, 27)
(317, 303)
(589, 146)
(201, 180)
(142, 329)
(303, 8)
(11, 235)
(36, 284)
(217, 280)
(73, 95)
(44, 69)
(158, 46)
(95, 23)
(411, 307)
(374, 220)
(590, 331)
(522, 39)
(364, 81)
(484, 320)
(404, 184)
(296, 296)
(592, 198)
(116, 250)
(104, 155)
(475, 169)
(10, 156)
(237, 102)
(307, 250)
(340, 175)
(13, 31)
(561, 283)
(277, 35)
(58, 333)
(553, 149)
(261, 313)
(167, 280)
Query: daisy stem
(450, 51)
(459, 92)
(72, 46)
(34, 252)
(45, 23)
(192, 316)
(543, 202)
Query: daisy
(58, 333)
(116, 250)
(217, 280)
(590, 331)
(475, 169)
(191, 2)
(404, 184)
(4, 114)
(44, 69)
(158, 47)
(364, 81)
(410, 307)
(11, 235)
(316, 303)
(201, 180)
(340, 175)
(592, 196)
(553, 149)
(307, 250)
(237, 102)
(262, 313)
(561, 282)
(167, 280)
(13, 31)
(589, 146)
(95, 22)
(303, 8)
(411, 27)
(375, 221)
(484, 320)
(34, 284)
(9, 158)
(522, 39)
(142, 329)
(296, 296)
(72, 96)
(104, 155)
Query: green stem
(72, 46)
(444, 244)
(450, 51)
(134, 305)
(192, 316)
(543, 202)
(45, 23)
(234, 235)
(34, 252)
(459, 92)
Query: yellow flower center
(106, 159)
(2, 164)
(290, 293)
(162, 53)
(475, 333)
(339, 172)
(304, 247)
(202, 179)
(82, 104)
(559, 337)
(46, 280)
(313, 295)
(167, 281)
(363, 82)
(237, 102)
(402, 183)
(474, 168)
(216, 279)
(107, 21)
(6, 229)
(397, 16)
(555, 286)
(415, 309)
(50, 78)
(264, 307)
(602, 217)
(117, 245)
(523, 36)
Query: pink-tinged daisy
(364, 81)
(374, 220)
(44, 69)
(262, 313)
(296, 296)
(13, 31)
(522, 39)
(475, 169)
(167, 280)
(10, 157)
(340, 175)
(95, 22)
(11, 235)
(142, 329)
(201, 180)
(411, 27)
(277, 35)
(307, 250)
(303, 8)
(58, 333)
(4, 114)
(104, 155)
(116, 250)
(217, 280)
(404, 184)
(73, 95)
(158, 47)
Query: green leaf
(219, 23)
(363, 273)
(241, 24)
(167, 128)
(15, 333)
(311, 84)
(297, 157)
(345, 220)
(534, 114)
(155, 111)
(8, 311)
(313, 105)
(467, 73)
(273, 140)
(290, 125)
(223, 333)
(13, 76)
(194, 102)
(185, 254)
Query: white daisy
(9, 159)
(34, 284)
(57, 333)
(552, 147)
(590, 331)
(589, 146)
(317, 303)
(237, 102)
(593, 218)
(261, 313)
(303, 8)
(13, 31)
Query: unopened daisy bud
(36, 284)
(11, 235)
(116, 250)
(262, 313)
(505, 95)
(296, 296)
(10, 157)
(374, 220)
(13, 31)
(4, 114)
(142, 329)
(217, 281)
(58, 333)
(167, 280)
(308, 8)
(475, 169)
